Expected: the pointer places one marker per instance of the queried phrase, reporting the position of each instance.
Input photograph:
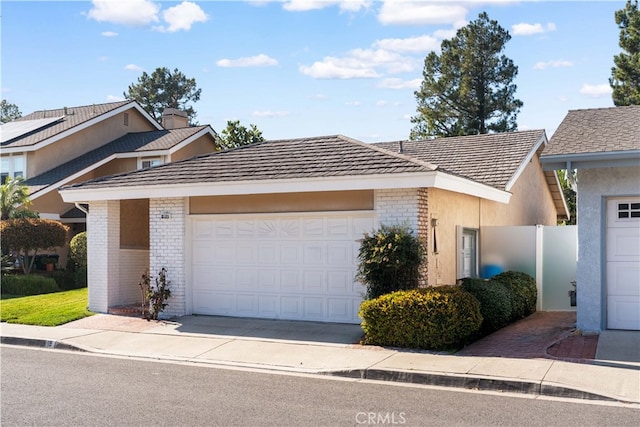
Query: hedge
(495, 303)
(438, 318)
(27, 285)
(522, 292)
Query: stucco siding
(594, 186)
(202, 145)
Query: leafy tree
(625, 74)
(26, 236)
(14, 194)
(468, 89)
(569, 196)
(8, 111)
(165, 89)
(236, 135)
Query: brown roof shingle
(492, 159)
(597, 130)
(278, 159)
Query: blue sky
(300, 68)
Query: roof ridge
(123, 102)
(390, 153)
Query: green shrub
(28, 285)
(389, 260)
(439, 318)
(78, 249)
(495, 303)
(81, 277)
(522, 292)
(68, 280)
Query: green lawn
(45, 310)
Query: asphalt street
(52, 387)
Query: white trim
(82, 126)
(52, 216)
(386, 181)
(564, 200)
(525, 162)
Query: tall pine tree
(468, 89)
(625, 74)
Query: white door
(623, 263)
(468, 253)
(283, 266)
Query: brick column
(103, 250)
(167, 239)
(406, 207)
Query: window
(149, 162)
(12, 166)
(628, 210)
(126, 119)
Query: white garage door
(281, 266)
(623, 263)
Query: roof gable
(72, 120)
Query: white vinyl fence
(548, 253)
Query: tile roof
(492, 159)
(73, 116)
(328, 156)
(597, 130)
(138, 142)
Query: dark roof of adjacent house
(327, 156)
(69, 118)
(597, 130)
(138, 142)
(491, 159)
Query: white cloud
(109, 34)
(400, 12)
(133, 67)
(130, 12)
(260, 60)
(339, 68)
(596, 91)
(270, 114)
(345, 5)
(524, 29)
(114, 98)
(400, 84)
(353, 103)
(420, 44)
(381, 103)
(183, 16)
(563, 99)
(553, 64)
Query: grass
(45, 310)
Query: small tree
(78, 249)
(154, 298)
(14, 194)
(236, 135)
(26, 236)
(389, 260)
(8, 111)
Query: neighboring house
(51, 148)
(603, 146)
(271, 229)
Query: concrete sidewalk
(330, 349)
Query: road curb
(471, 382)
(33, 342)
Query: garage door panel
(313, 281)
(290, 281)
(278, 266)
(623, 263)
(623, 278)
(623, 244)
(624, 313)
(313, 308)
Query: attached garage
(623, 263)
(282, 266)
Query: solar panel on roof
(13, 130)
